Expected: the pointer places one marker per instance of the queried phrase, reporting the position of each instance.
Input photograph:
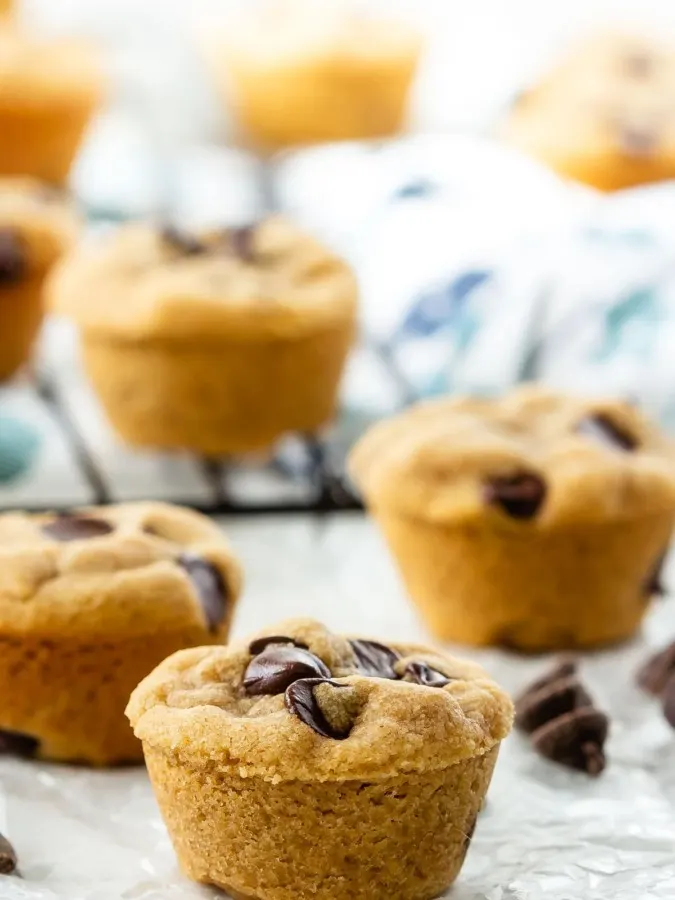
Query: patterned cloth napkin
(478, 269)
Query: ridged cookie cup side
(89, 604)
(396, 741)
(224, 397)
(537, 521)
(399, 838)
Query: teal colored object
(631, 325)
(19, 444)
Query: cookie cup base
(71, 695)
(583, 586)
(218, 398)
(400, 838)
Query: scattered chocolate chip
(638, 141)
(534, 709)
(74, 527)
(183, 243)
(242, 242)
(17, 744)
(278, 666)
(421, 673)
(520, 496)
(602, 429)
(8, 860)
(210, 587)
(12, 257)
(558, 714)
(575, 739)
(300, 701)
(374, 660)
(259, 644)
(668, 702)
(655, 674)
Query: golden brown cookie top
(298, 702)
(106, 573)
(42, 72)
(265, 281)
(612, 96)
(534, 458)
(37, 223)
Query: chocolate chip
(421, 673)
(259, 644)
(669, 702)
(210, 587)
(242, 242)
(639, 64)
(16, 743)
(520, 496)
(575, 740)
(181, 242)
(278, 666)
(13, 260)
(534, 709)
(655, 674)
(638, 141)
(602, 429)
(374, 660)
(8, 860)
(300, 701)
(563, 669)
(74, 527)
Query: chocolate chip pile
(564, 726)
(657, 677)
(282, 664)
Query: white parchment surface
(545, 834)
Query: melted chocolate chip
(242, 242)
(602, 429)
(300, 701)
(374, 660)
(181, 242)
(15, 743)
(638, 141)
(534, 709)
(210, 587)
(8, 859)
(575, 740)
(653, 583)
(520, 496)
(278, 666)
(656, 673)
(421, 673)
(259, 644)
(12, 257)
(74, 527)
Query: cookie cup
(262, 805)
(82, 622)
(43, 226)
(578, 570)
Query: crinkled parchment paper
(545, 833)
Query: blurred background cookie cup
(293, 72)
(37, 225)
(218, 343)
(49, 89)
